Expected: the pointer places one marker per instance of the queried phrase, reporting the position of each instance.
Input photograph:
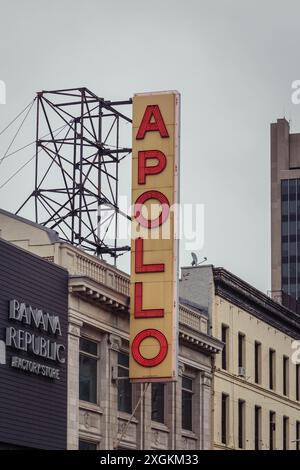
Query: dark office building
(285, 214)
(33, 351)
(290, 236)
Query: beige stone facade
(253, 327)
(98, 311)
(234, 403)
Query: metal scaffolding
(77, 157)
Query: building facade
(106, 411)
(238, 387)
(285, 213)
(256, 382)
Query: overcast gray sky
(233, 62)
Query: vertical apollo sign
(154, 240)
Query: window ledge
(126, 416)
(187, 433)
(159, 426)
(90, 406)
(225, 446)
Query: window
(297, 435)
(187, 403)
(224, 418)
(297, 382)
(285, 378)
(272, 430)
(285, 433)
(88, 365)
(257, 362)
(257, 427)
(241, 350)
(272, 360)
(124, 385)
(87, 445)
(241, 423)
(158, 402)
(290, 236)
(224, 338)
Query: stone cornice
(250, 299)
(88, 290)
(199, 340)
(98, 293)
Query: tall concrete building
(285, 213)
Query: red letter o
(162, 216)
(136, 343)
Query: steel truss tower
(78, 152)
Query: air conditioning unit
(242, 372)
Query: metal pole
(73, 203)
(99, 179)
(36, 157)
(80, 167)
(117, 441)
(116, 193)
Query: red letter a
(152, 111)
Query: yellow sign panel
(154, 240)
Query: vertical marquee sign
(154, 240)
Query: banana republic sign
(33, 350)
(35, 333)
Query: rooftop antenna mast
(77, 159)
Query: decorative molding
(114, 342)
(181, 368)
(86, 420)
(201, 341)
(206, 379)
(74, 327)
(109, 297)
(121, 428)
(155, 438)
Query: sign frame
(155, 114)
